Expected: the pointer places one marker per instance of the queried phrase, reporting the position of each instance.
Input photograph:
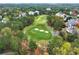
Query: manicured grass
(39, 32)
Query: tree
(49, 20)
(75, 43)
(55, 42)
(6, 36)
(2, 45)
(14, 43)
(27, 20)
(65, 48)
(32, 46)
(71, 37)
(16, 25)
(58, 23)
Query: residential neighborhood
(39, 29)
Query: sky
(39, 1)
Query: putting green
(39, 32)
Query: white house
(37, 12)
(60, 14)
(70, 12)
(31, 12)
(67, 17)
(5, 20)
(48, 9)
(5, 13)
(22, 14)
(78, 15)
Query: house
(74, 12)
(60, 14)
(77, 22)
(67, 17)
(71, 30)
(36, 12)
(70, 13)
(71, 22)
(5, 13)
(48, 9)
(5, 20)
(22, 14)
(31, 12)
